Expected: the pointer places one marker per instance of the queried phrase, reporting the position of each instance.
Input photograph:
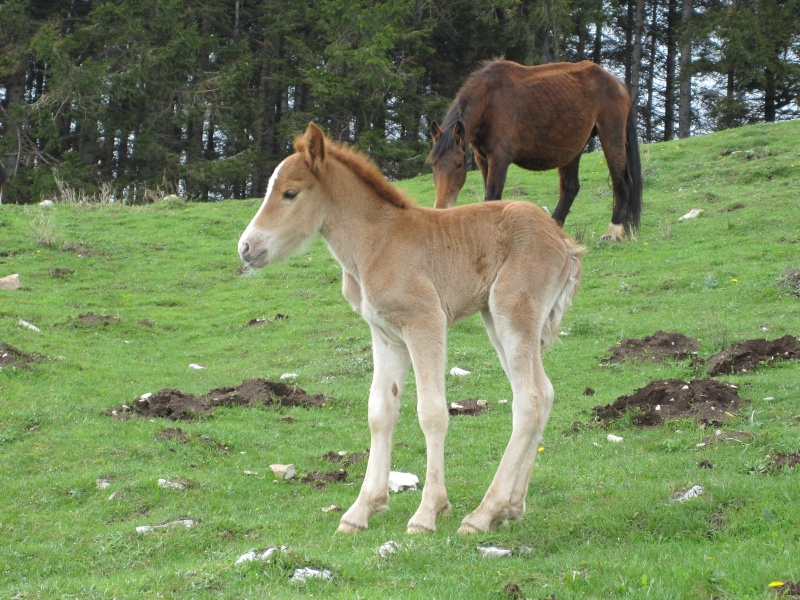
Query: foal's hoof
(415, 529)
(345, 527)
(467, 529)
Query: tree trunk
(669, 76)
(636, 59)
(685, 98)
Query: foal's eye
(289, 195)
(459, 165)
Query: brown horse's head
(449, 161)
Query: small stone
(388, 548)
(614, 438)
(10, 282)
(493, 552)
(283, 471)
(402, 482)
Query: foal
(410, 272)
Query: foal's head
(293, 208)
(449, 161)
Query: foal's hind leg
(569, 185)
(391, 363)
(517, 339)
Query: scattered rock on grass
(402, 482)
(10, 282)
(306, 573)
(179, 523)
(493, 552)
(262, 555)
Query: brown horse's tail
(632, 181)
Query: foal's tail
(632, 178)
(572, 271)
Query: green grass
(600, 522)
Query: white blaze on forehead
(252, 229)
(272, 179)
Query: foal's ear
(314, 146)
(459, 133)
(436, 131)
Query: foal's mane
(366, 170)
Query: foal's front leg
(427, 345)
(391, 362)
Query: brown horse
(540, 118)
(410, 272)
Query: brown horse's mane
(367, 171)
(458, 108)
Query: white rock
(196, 367)
(26, 325)
(173, 485)
(150, 528)
(388, 548)
(47, 203)
(459, 372)
(614, 438)
(693, 492)
(493, 552)
(290, 376)
(265, 556)
(692, 214)
(283, 471)
(332, 508)
(10, 282)
(402, 482)
(304, 574)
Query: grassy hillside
(163, 285)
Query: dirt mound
(181, 406)
(658, 347)
(345, 458)
(472, 407)
(15, 359)
(92, 319)
(318, 479)
(706, 400)
(745, 356)
(792, 281)
(789, 460)
(257, 392)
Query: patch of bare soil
(792, 281)
(319, 479)
(472, 407)
(658, 347)
(789, 460)
(344, 457)
(13, 358)
(706, 400)
(745, 356)
(789, 588)
(720, 437)
(262, 322)
(181, 406)
(92, 319)
(61, 273)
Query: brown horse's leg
(568, 189)
(495, 179)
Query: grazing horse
(410, 272)
(540, 118)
